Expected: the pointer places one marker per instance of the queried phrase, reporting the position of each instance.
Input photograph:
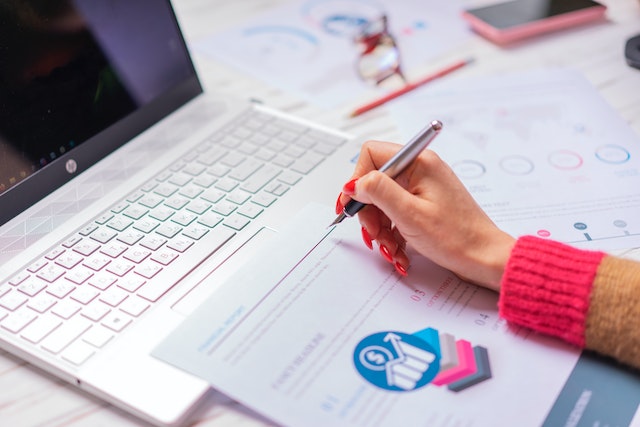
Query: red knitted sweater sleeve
(546, 287)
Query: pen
(397, 164)
(409, 87)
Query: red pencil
(409, 87)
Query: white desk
(29, 397)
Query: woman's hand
(430, 209)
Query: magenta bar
(466, 366)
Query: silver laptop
(123, 186)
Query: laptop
(123, 187)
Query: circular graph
(342, 18)
(469, 169)
(565, 159)
(517, 165)
(613, 154)
(277, 45)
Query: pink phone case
(529, 29)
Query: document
(319, 331)
(541, 151)
(307, 47)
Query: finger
(373, 155)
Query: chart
(541, 152)
(307, 46)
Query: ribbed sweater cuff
(546, 287)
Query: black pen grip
(353, 207)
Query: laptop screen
(79, 78)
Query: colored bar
(466, 366)
(430, 336)
(483, 373)
(448, 352)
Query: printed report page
(317, 330)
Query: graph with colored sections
(401, 362)
(307, 46)
(540, 151)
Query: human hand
(429, 208)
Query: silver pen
(397, 164)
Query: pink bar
(465, 367)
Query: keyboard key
(96, 262)
(210, 219)
(130, 237)
(95, 311)
(65, 334)
(86, 247)
(79, 275)
(116, 321)
(258, 180)
(196, 232)
(54, 253)
(32, 286)
(137, 254)
(78, 353)
(153, 242)
(103, 235)
(113, 296)
(50, 273)
(153, 290)
(164, 256)
(84, 295)
(69, 259)
(33, 268)
(41, 302)
(13, 300)
(148, 269)
(180, 244)
(66, 309)
(60, 289)
(120, 267)
(134, 306)
(98, 336)
(18, 320)
(40, 328)
(236, 222)
(19, 278)
(102, 280)
(131, 283)
(146, 225)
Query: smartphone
(514, 20)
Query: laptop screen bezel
(45, 181)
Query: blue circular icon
(580, 226)
(396, 361)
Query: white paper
(541, 152)
(306, 46)
(285, 335)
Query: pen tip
(338, 220)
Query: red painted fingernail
(367, 238)
(385, 253)
(350, 187)
(339, 205)
(400, 269)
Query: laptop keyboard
(79, 296)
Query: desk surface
(29, 397)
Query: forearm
(583, 297)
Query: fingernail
(367, 238)
(386, 254)
(400, 269)
(350, 187)
(339, 205)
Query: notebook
(123, 186)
